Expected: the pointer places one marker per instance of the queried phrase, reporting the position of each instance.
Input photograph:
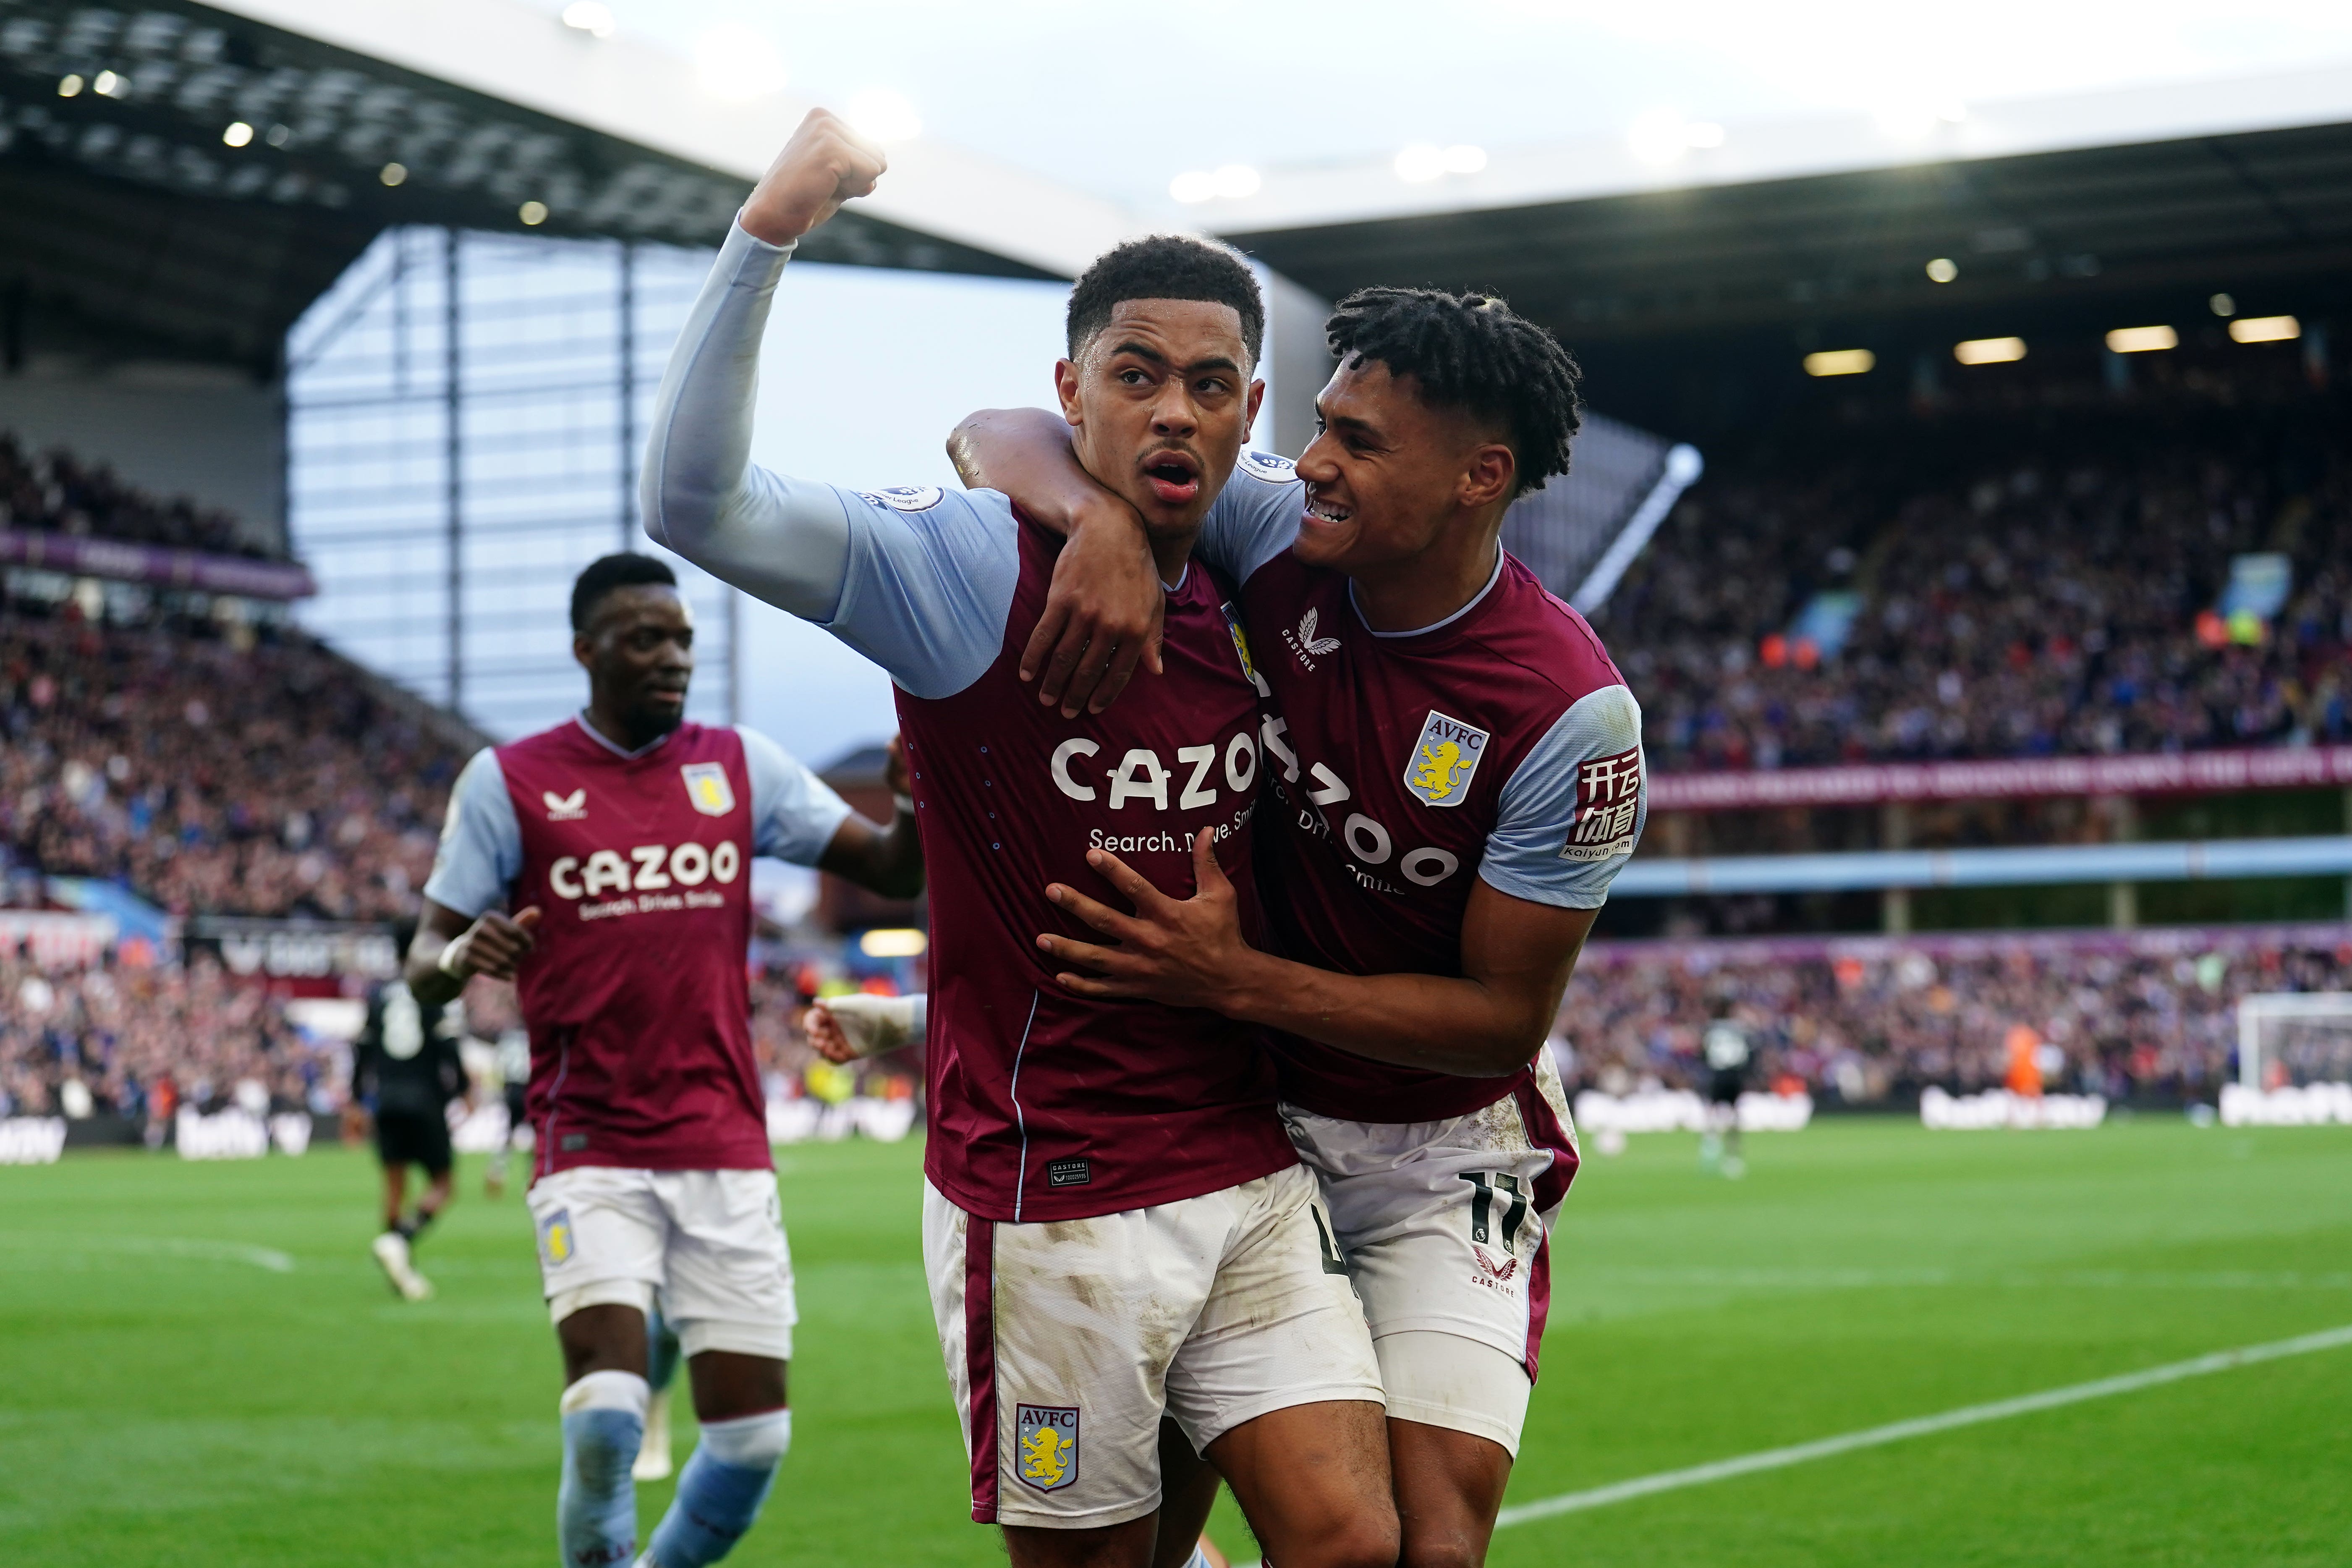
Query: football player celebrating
(621, 840)
(1115, 1227)
(1456, 772)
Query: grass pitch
(200, 1364)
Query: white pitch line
(1920, 1427)
(267, 1257)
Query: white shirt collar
(1492, 578)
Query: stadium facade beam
(637, 93)
(2033, 867)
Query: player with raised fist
(1129, 1267)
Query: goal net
(2294, 1039)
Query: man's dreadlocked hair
(1471, 352)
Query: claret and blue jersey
(1044, 1105)
(639, 865)
(1499, 745)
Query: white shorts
(1446, 1228)
(710, 1242)
(1065, 1343)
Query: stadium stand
(138, 1042)
(221, 770)
(2147, 1015)
(2001, 581)
(53, 492)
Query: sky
(1117, 98)
(864, 372)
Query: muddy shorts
(1446, 1229)
(1067, 1342)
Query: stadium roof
(179, 180)
(2185, 186)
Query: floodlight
(1420, 163)
(884, 116)
(1840, 361)
(1990, 351)
(69, 86)
(109, 85)
(893, 942)
(532, 214)
(237, 134)
(392, 173)
(2223, 305)
(1193, 185)
(589, 17)
(2265, 328)
(1236, 180)
(1943, 269)
(1659, 136)
(2142, 340)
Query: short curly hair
(1473, 352)
(608, 573)
(1166, 266)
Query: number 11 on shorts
(1482, 1205)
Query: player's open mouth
(1329, 513)
(1174, 477)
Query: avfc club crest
(1241, 645)
(555, 1243)
(1445, 757)
(1048, 1436)
(706, 785)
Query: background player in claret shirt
(1455, 768)
(621, 841)
(1116, 1228)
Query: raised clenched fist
(824, 165)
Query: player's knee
(1361, 1542)
(1440, 1549)
(750, 1442)
(604, 1422)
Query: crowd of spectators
(139, 1042)
(214, 773)
(54, 493)
(2022, 587)
(1884, 1020)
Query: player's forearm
(783, 539)
(894, 859)
(1026, 453)
(1466, 1027)
(429, 982)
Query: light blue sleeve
(929, 583)
(481, 843)
(1255, 518)
(794, 814)
(918, 580)
(1571, 813)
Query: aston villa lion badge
(706, 785)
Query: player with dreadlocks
(1456, 772)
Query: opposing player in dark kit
(621, 840)
(1729, 1060)
(406, 1068)
(1455, 770)
(1115, 1227)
